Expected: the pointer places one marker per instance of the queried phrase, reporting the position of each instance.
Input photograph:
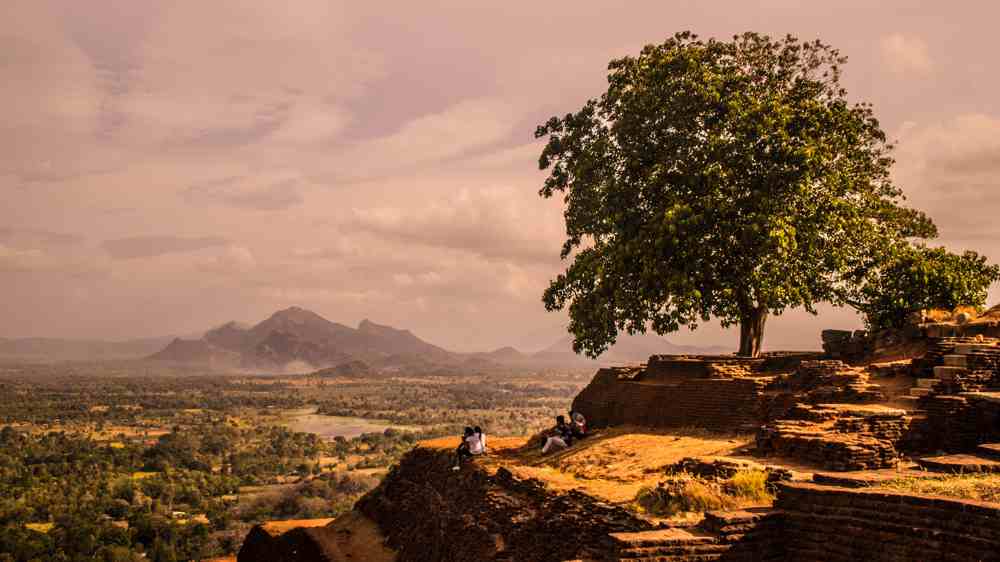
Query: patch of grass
(981, 487)
(40, 527)
(139, 475)
(684, 493)
(749, 485)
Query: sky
(169, 166)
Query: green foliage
(918, 278)
(726, 179)
(225, 463)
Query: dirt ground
(611, 464)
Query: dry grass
(617, 464)
(981, 487)
(685, 493)
(496, 444)
(749, 486)
(612, 464)
(278, 527)
(40, 527)
(682, 496)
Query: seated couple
(473, 444)
(563, 434)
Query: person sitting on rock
(562, 437)
(482, 437)
(470, 447)
(578, 424)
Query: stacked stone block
(839, 524)
(835, 438)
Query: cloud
(243, 192)
(464, 127)
(152, 246)
(310, 123)
(951, 169)
(70, 266)
(231, 260)
(502, 223)
(12, 259)
(27, 238)
(905, 54)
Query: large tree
(726, 179)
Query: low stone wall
(837, 437)
(860, 346)
(712, 403)
(959, 423)
(839, 524)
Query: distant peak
(293, 312)
(369, 327)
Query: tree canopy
(726, 179)
(918, 278)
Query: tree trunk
(752, 331)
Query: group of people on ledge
(558, 438)
(564, 434)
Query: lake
(308, 421)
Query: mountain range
(300, 340)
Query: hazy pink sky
(168, 166)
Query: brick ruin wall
(664, 398)
(958, 423)
(715, 393)
(839, 524)
(812, 522)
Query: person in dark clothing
(562, 438)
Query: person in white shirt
(482, 437)
(471, 446)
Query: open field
(306, 420)
(202, 459)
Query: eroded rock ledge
(429, 512)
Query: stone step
(673, 558)
(918, 392)
(651, 551)
(966, 348)
(908, 401)
(955, 361)
(959, 464)
(927, 383)
(989, 450)
(661, 537)
(948, 373)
